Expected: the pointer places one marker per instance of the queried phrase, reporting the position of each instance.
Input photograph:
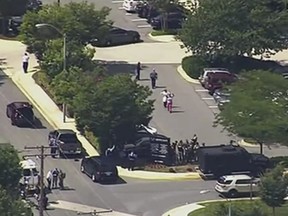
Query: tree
(10, 169)
(80, 21)
(11, 8)
(164, 6)
(258, 108)
(235, 27)
(113, 109)
(273, 188)
(11, 206)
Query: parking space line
(128, 14)
(213, 107)
(144, 26)
(117, 2)
(201, 90)
(208, 98)
(138, 20)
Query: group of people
(55, 178)
(167, 100)
(185, 152)
(153, 75)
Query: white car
(207, 71)
(30, 175)
(234, 185)
(130, 5)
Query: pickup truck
(66, 141)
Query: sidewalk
(11, 53)
(183, 210)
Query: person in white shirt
(170, 102)
(164, 99)
(25, 61)
(49, 177)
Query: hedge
(193, 65)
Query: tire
(82, 169)
(93, 177)
(233, 193)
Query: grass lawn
(239, 208)
(161, 32)
(174, 169)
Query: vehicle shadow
(118, 182)
(37, 124)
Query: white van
(30, 174)
(130, 5)
(206, 71)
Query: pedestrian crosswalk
(85, 209)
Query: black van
(99, 169)
(20, 113)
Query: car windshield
(30, 172)
(222, 180)
(68, 137)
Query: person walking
(55, 174)
(25, 61)
(49, 179)
(153, 77)
(164, 99)
(138, 69)
(53, 147)
(170, 102)
(61, 177)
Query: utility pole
(42, 155)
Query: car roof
(66, 131)
(28, 164)
(238, 177)
(222, 150)
(102, 160)
(20, 104)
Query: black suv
(20, 113)
(99, 169)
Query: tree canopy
(273, 188)
(80, 21)
(236, 27)
(12, 7)
(10, 169)
(258, 108)
(113, 108)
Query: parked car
(117, 36)
(145, 10)
(14, 24)
(66, 141)
(207, 71)
(236, 185)
(174, 20)
(20, 113)
(130, 5)
(215, 81)
(99, 169)
(30, 175)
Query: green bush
(283, 160)
(93, 140)
(193, 66)
(165, 32)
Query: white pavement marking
(117, 2)
(213, 107)
(138, 20)
(128, 14)
(201, 90)
(144, 26)
(79, 208)
(208, 98)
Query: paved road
(134, 196)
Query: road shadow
(118, 182)
(117, 67)
(160, 87)
(37, 124)
(177, 111)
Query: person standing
(138, 69)
(153, 77)
(55, 174)
(62, 176)
(53, 147)
(49, 179)
(131, 158)
(194, 139)
(25, 61)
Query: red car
(218, 80)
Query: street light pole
(41, 25)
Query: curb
(185, 76)
(159, 38)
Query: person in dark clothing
(138, 69)
(153, 77)
(194, 139)
(131, 159)
(55, 174)
(62, 176)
